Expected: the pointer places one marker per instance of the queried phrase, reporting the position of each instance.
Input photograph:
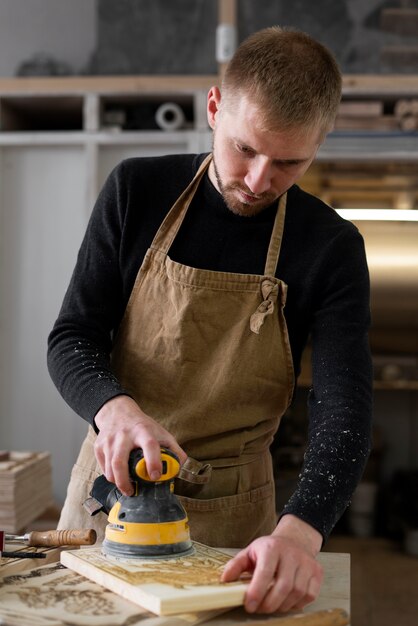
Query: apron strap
(174, 218)
(273, 252)
(200, 472)
(196, 472)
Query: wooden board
(12, 566)
(163, 586)
(56, 596)
(52, 595)
(361, 108)
(192, 584)
(335, 593)
(25, 488)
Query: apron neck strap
(273, 252)
(174, 218)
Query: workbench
(52, 595)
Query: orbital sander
(151, 523)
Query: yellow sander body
(152, 523)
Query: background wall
(58, 29)
(178, 37)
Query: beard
(255, 204)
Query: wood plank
(170, 586)
(327, 617)
(361, 108)
(365, 123)
(335, 592)
(25, 488)
(52, 595)
(400, 56)
(376, 199)
(227, 12)
(371, 85)
(406, 107)
(401, 21)
(391, 183)
(12, 567)
(163, 586)
(379, 85)
(135, 85)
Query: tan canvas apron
(206, 354)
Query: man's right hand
(123, 426)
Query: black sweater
(322, 261)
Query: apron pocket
(232, 521)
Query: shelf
(102, 138)
(129, 103)
(380, 85)
(364, 146)
(36, 138)
(106, 84)
(96, 103)
(361, 85)
(394, 385)
(41, 113)
(128, 112)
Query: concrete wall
(62, 29)
(178, 36)
(157, 36)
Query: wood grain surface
(52, 595)
(170, 586)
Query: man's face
(253, 166)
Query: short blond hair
(293, 78)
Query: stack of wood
(403, 22)
(364, 115)
(381, 115)
(364, 185)
(25, 488)
(406, 112)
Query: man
(197, 284)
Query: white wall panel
(42, 204)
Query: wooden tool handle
(327, 617)
(50, 538)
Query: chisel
(5, 554)
(54, 538)
(22, 555)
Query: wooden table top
(52, 595)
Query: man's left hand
(285, 574)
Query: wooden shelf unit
(77, 109)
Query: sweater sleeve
(340, 400)
(80, 342)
